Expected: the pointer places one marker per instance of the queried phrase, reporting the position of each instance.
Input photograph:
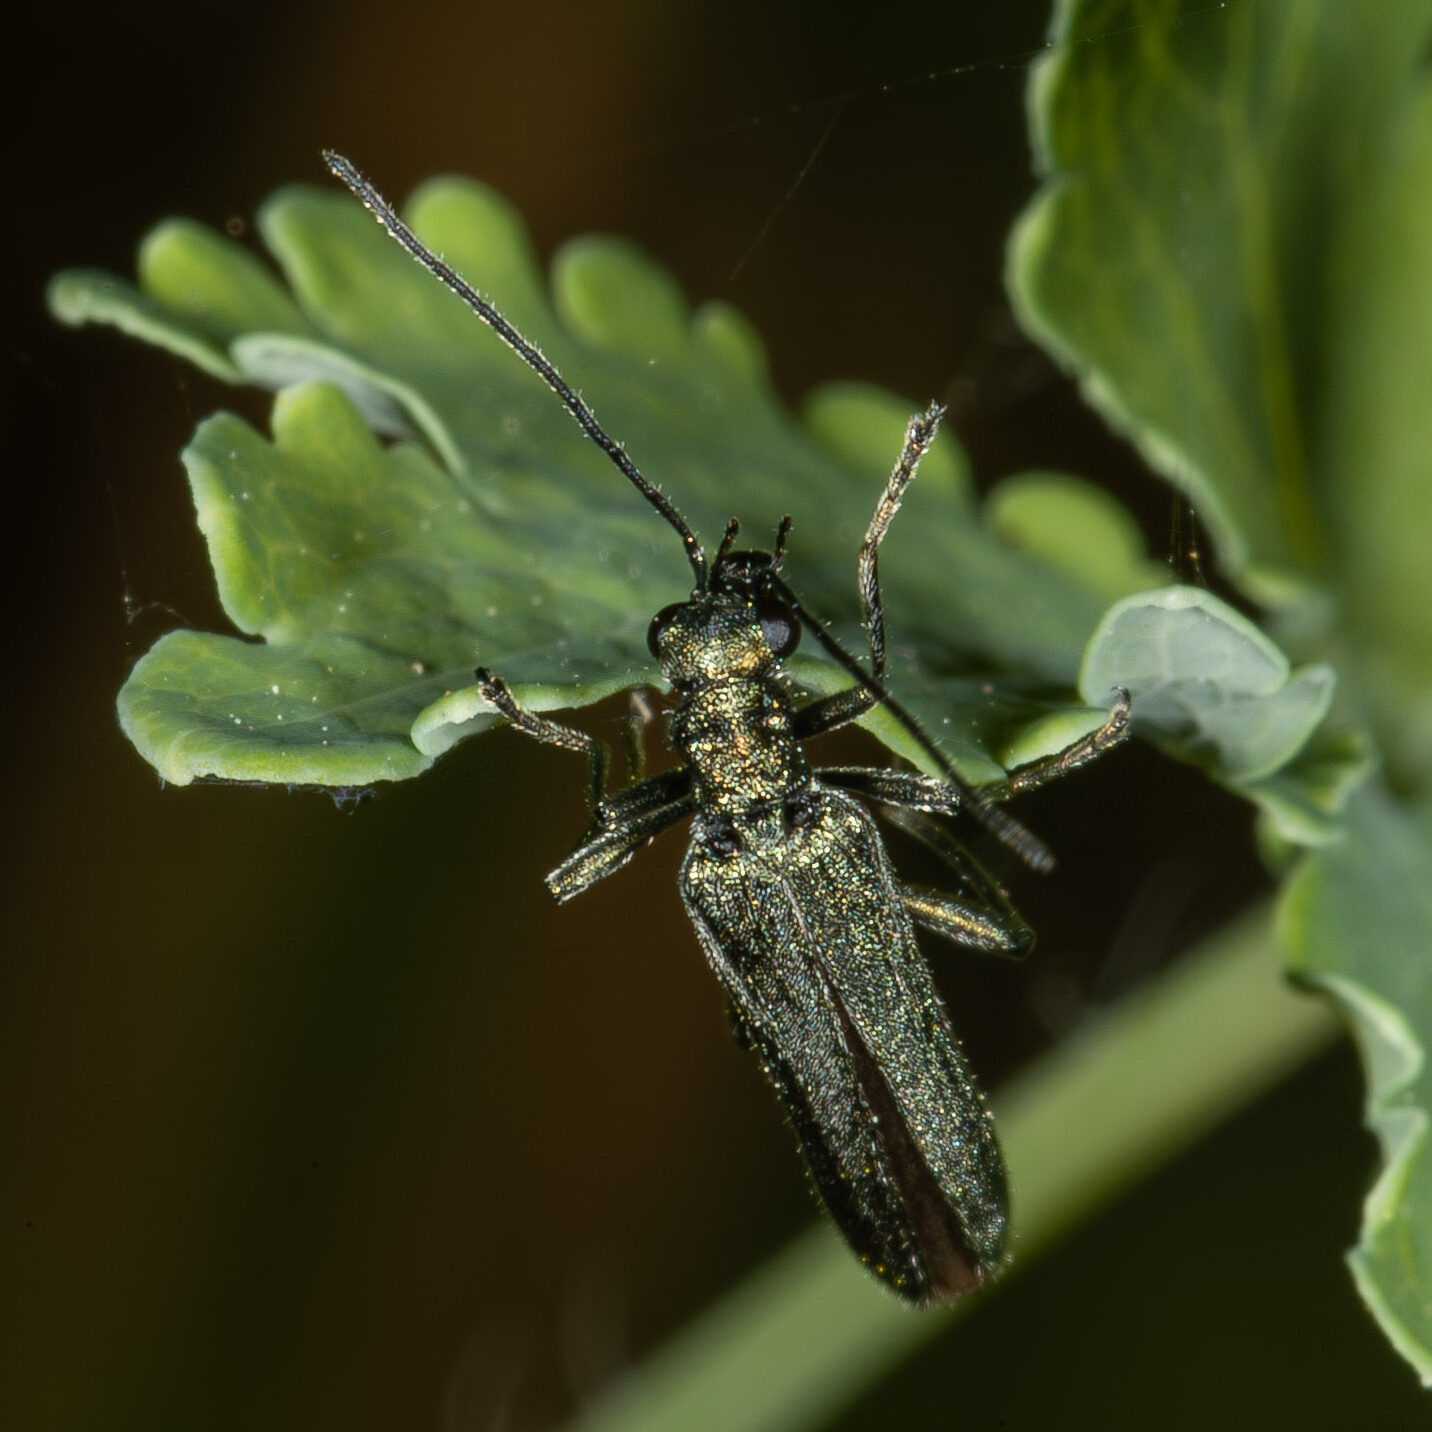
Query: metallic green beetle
(794, 899)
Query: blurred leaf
(1076, 527)
(1375, 432)
(1207, 172)
(1230, 250)
(1302, 803)
(1357, 921)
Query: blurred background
(320, 1118)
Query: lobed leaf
(377, 575)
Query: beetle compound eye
(778, 625)
(657, 629)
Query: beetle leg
(1034, 774)
(550, 733)
(611, 848)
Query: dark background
(317, 1119)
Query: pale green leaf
(1357, 920)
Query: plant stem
(804, 1335)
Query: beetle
(794, 899)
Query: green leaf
(1357, 921)
(1229, 248)
(376, 576)
(1302, 804)
(335, 713)
(1201, 238)
(1075, 527)
(198, 293)
(1376, 433)
(1207, 680)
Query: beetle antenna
(525, 349)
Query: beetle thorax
(733, 726)
(736, 735)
